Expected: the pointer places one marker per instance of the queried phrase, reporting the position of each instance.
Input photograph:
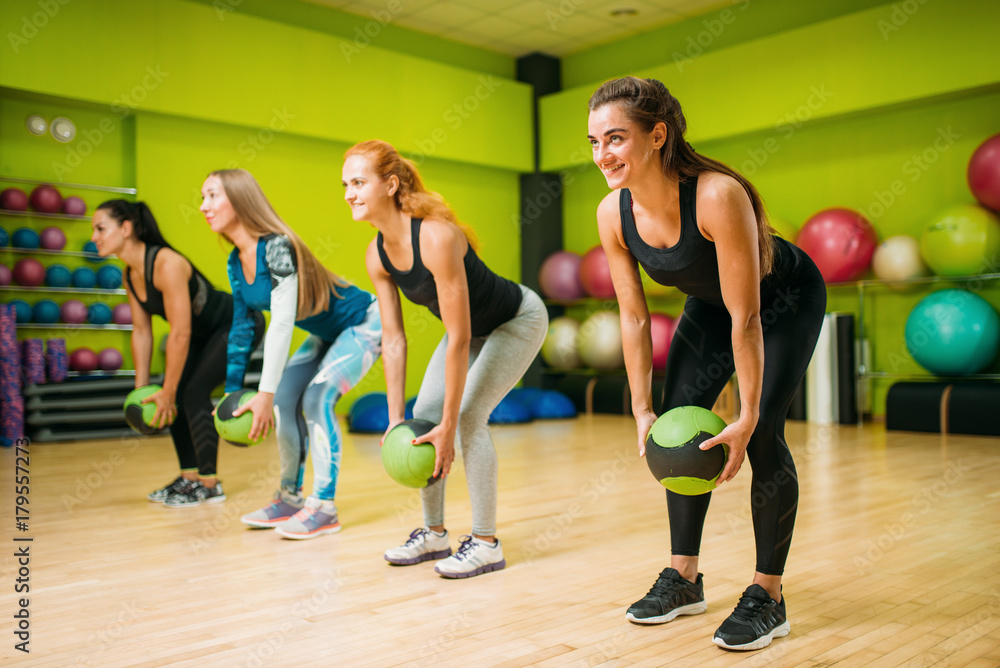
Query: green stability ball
(672, 452)
(961, 240)
(409, 465)
(139, 415)
(235, 430)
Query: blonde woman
(493, 330)
(271, 269)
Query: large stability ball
(840, 241)
(559, 348)
(953, 332)
(559, 277)
(984, 173)
(46, 199)
(370, 413)
(898, 259)
(961, 240)
(29, 272)
(661, 330)
(595, 274)
(673, 455)
(599, 341)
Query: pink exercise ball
(559, 277)
(46, 199)
(5, 275)
(53, 238)
(110, 359)
(984, 173)
(661, 330)
(599, 341)
(840, 241)
(595, 274)
(13, 199)
(74, 206)
(29, 272)
(121, 314)
(83, 359)
(73, 312)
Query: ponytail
(143, 223)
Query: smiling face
(216, 207)
(107, 233)
(623, 150)
(366, 192)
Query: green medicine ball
(672, 452)
(139, 415)
(235, 430)
(409, 465)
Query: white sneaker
(422, 545)
(474, 557)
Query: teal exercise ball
(953, 332)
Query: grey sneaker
(474, 557)
(284, 505)
(315, 519)
(195, 494)
(422, 545)
(160, 495)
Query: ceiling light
(36, 124)
(63, 129)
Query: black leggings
(195, 438)
(699, 364)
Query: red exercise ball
(13, 199)
(559, 277)
(46, 199)
(984, 173)
(840, 241)
(121, 314)
(595, 274)
(109, 359)
(73, 312)
(83, 359)
(661, 329)
(53, 238)
(74, 206)
(29, 272)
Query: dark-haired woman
(160, 281)
(755, 306)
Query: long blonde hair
(255, 212)
(411, 196)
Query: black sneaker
(195, 495)
(757, 619)
(670, 597)
(160, 495)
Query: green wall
(878, 110)
(158, 113)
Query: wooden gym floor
(895, 560)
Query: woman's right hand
(643, 423)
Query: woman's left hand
(737, 437)
(442, 438)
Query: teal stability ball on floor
(235, 430)
(953, 332)
(409, 465)
(673, 455)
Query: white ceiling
(519, 27)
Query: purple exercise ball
(5, 275)
(83, 359)
(121, 314)
(559, 277)
(74, 312)
(109, 359)
(53, 238)
(74, 206)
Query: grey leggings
(496, 363)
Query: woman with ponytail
(271, 269)
(494, 328)
(160, 281)
(755, 306)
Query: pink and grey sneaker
(474, 557)
(316, 518)
(284, 505)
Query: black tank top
(692, 264)
(210, 308)
(493, 299)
